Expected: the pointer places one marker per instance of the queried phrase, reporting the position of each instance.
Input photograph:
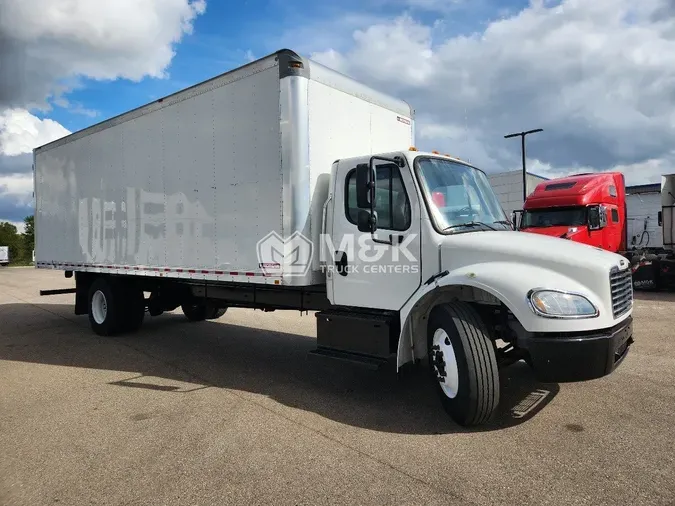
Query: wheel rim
(99, 307)
(445, 363)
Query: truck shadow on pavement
(176, 357)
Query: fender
(505, 282)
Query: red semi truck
(591, 209)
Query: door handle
(395, 239)
(341, 262)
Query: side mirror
(514, 219)
(366, 222)
(365, 186)
(594, 222)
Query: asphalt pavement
(234, 412)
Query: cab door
(383, 269)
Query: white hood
(535, 249)
(509, 264)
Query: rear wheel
(105, 307)
(463, 363)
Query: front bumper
(577, 356)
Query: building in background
(508, 186)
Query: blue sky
(598, 76)
(226, 36)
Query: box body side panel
(185, 187)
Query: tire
(215, 313)
(458, 345)
(134, 311)
(201, 312)
(105, 306)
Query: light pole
(522, 140)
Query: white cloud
(19, 186)
(16, 197)
(21, 132)
(402, 48)
(598, 76)
(649, 171)
(45, 46)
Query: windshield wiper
(471, 224)
(503, 222)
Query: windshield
(459, 195)
(571, 216)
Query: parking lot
(234, 412)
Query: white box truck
(4, 255)
(285, 185)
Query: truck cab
(586, 208)
(422, 237)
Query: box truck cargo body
(4, 255)
(185, 186)
(285, 185)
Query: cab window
(391, 200)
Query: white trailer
(643, 203)
(4, 255)
(667, 214)
(285, 185)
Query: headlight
(557, 304)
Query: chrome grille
(621, 284)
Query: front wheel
(463, 363)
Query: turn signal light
(412, 148)
(435, 152)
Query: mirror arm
(390, 242)
(398, 160)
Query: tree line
(21, 246)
